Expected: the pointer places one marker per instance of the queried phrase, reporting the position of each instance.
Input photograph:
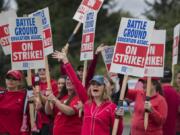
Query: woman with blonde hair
(99, 111)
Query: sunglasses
(41, 69)
(95, 83)
(11, 78)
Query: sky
(135, 7)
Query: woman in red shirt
(99, 111)
(12, 104)
(67, 120)
(157, 108)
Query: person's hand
(52, 98)
(100, 48)
(48, 92)
(119, 112)
(61, 56)
(148, 106)
(79, 105)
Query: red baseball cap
(15, 73)
(152, 78)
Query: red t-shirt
(42, 118)
(178, 117)
(172, 100)
(67, 125)
(11, 111)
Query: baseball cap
(99, 79)
(15, 73)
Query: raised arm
(131, 94)
(61, 68)
(93, 63)
(79, 88)
(91, 69)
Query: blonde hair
(105, 96)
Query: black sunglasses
(11, 78)
(43, 69)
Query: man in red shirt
(171, 97)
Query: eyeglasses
(95, 83)
(41, 69)
(11, 78)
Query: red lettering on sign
(4, 33)
(94, 4)
(155, 55)
(47, 38)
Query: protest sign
(27, 45)
(4, 30)
(156, 54)
(176, 51)
(131, 46)
(47, 33)
(87, 43)
(107, 55)
(85, 6)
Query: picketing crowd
(81, 101)
(73, 108)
